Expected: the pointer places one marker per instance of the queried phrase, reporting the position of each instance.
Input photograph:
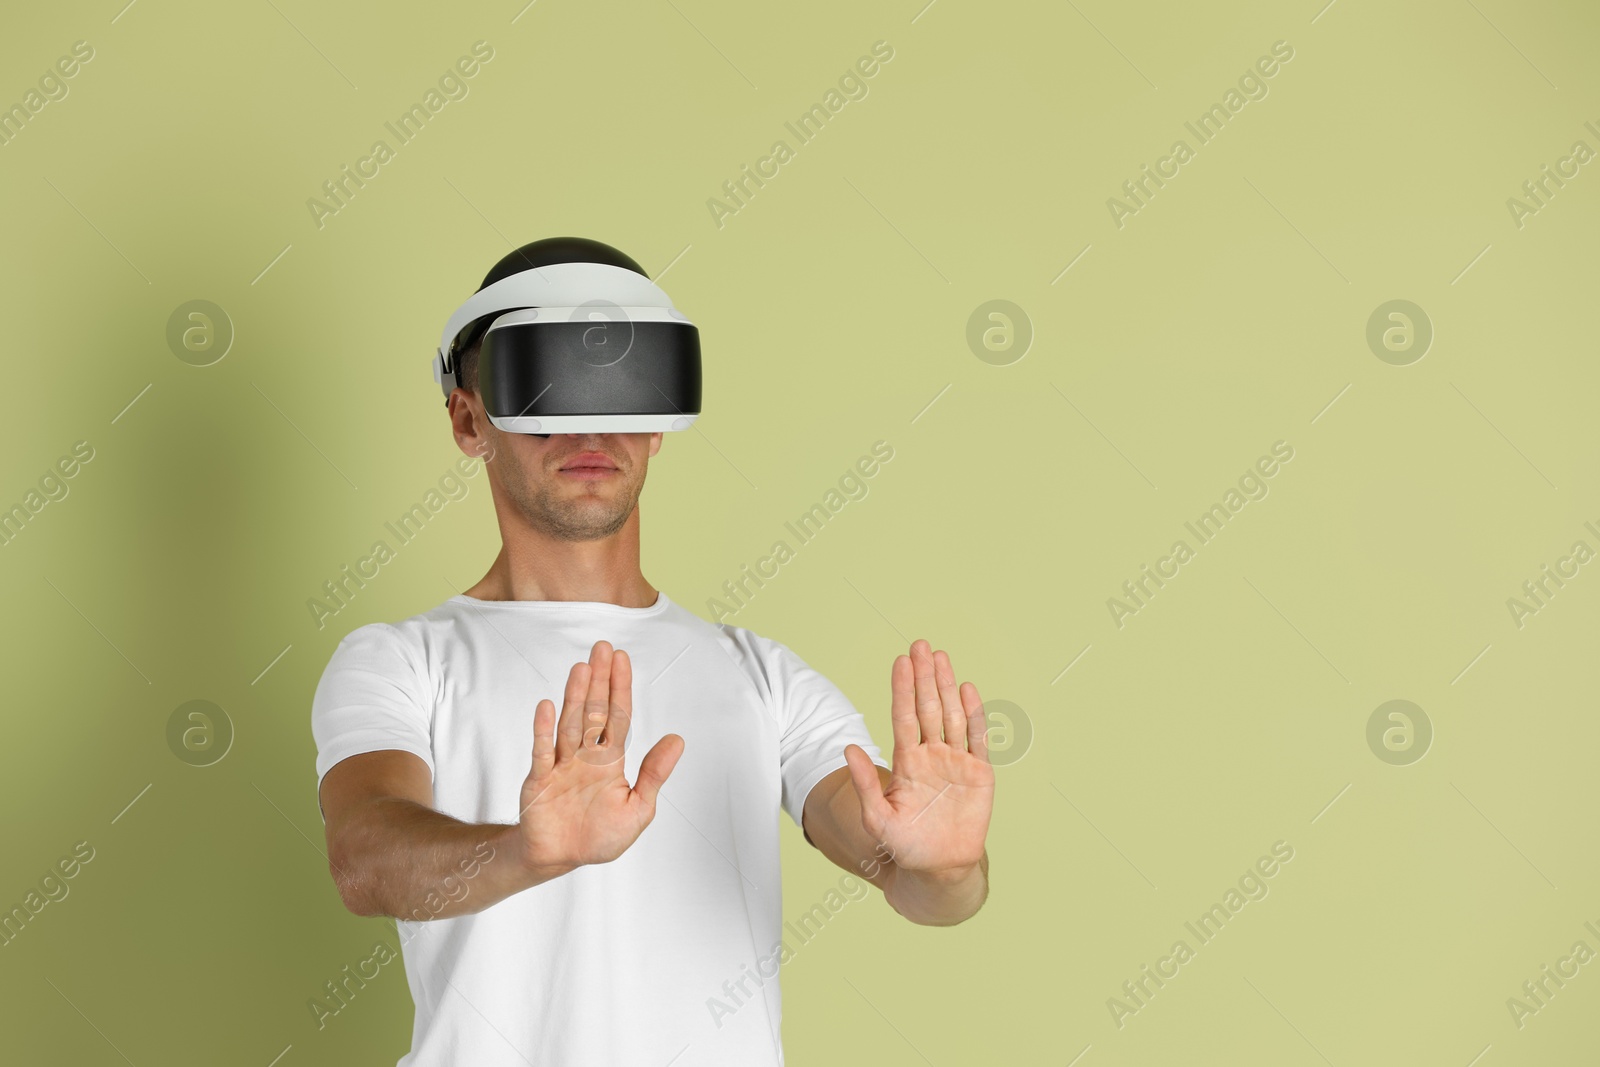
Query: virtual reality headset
(575, 339)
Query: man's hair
(550, 250)
(467, 373)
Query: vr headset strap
(553, 285)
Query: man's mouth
(589, 465)
(590, 460)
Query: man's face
(574, 487)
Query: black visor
(543, 372)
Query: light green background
(1226, 315)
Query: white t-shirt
(621, 963)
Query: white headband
(556, 285)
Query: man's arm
(391, 854)
(917, 831)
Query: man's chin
(582, 520)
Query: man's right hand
(392, 854)
(577, 807)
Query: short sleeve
(815, 722)
(371, 697)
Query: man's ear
(470, 425)
(655, 443)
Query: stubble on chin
(565, 516)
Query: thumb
(655, 767)
(875, 809)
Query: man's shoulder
(736, 639)
(409, 637)
(768, 661)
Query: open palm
(577, 807)
(934, 814)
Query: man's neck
(571, 571)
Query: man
(548, 915)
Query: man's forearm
(938, 899)
(402, 859)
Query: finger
(977, 722)
(569, 732)
(929, 710)
(869, 788)
(597, 702)
(902, 704)
(654, 768)
(955, 719)
(544, 741)
(621, 713)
